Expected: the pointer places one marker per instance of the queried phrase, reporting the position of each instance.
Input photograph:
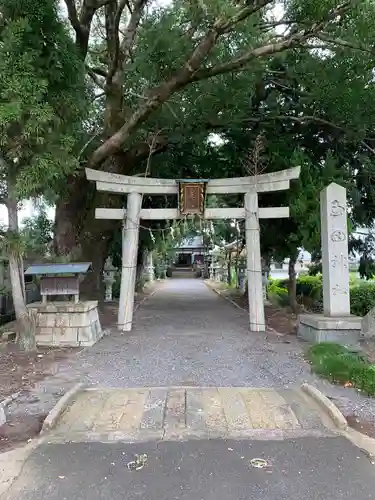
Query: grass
(340, 365)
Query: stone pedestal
(316, 328)
(66, 323)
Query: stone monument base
(66, 324)
(316, 328)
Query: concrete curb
(327, 405)
(56, 412)
(218, 292)
(3, 404)
(145, 299)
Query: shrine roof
(55, 269)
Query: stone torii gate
(194, 191)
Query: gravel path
(187, 335)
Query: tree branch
(95, 78)
(99, 71)
(191, 71)
(72, 15)
(244, 13)
(122, 51)
(343, 43)
(239, 63)
(82, 24)
(295, 39)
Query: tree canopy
(161, 79)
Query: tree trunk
(95, 251)
(26, 324)
(81, 237)
(292, 283)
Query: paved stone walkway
(180, 413)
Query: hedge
(362, 296)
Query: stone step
(181, 413)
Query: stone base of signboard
(316, 328)
(66, 324)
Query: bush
(310, 286)
(277, 294)
(307, 287)
(362, 298)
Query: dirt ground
(20, 372)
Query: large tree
(41, 102)
(172, 74)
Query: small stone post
(130, 238)
(334, 234)
(108, 278)
(149, 267)
(212, 269)
(254, 265)
(242, 276)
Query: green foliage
(315, 268)
(41, 95)
(37, 232)
(341, 365)
(277, 294)
(362, 298)
(366, 268)
(310, 292)
(307, 286)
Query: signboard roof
(58, 269)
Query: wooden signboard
(64, 285)
(191, 198)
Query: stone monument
(336, 324)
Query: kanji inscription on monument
(336, 300)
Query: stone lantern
(224, 275)
(242, 275)
(109, 278)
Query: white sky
(26, 210)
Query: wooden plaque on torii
(192, 197)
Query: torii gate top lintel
(116, 183)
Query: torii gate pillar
(254, 263)
(130, 238)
